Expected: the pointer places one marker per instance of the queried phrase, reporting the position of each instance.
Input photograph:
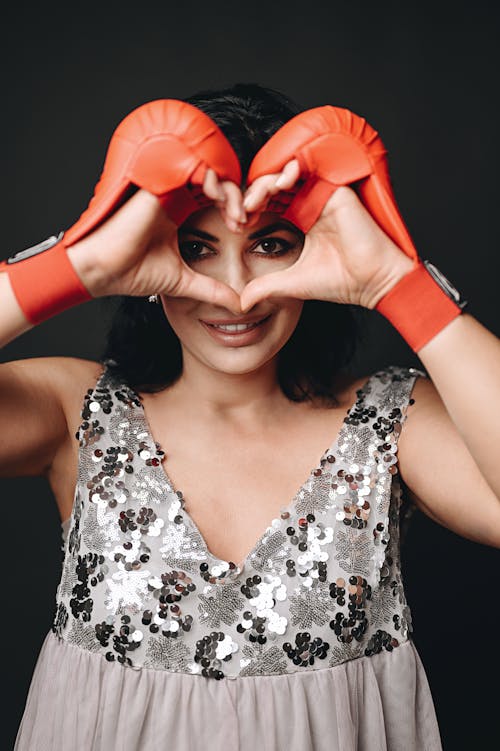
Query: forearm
(13, 322)
(463, 361)
(13, 319)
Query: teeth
(235, 326)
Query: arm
(114, 248)
(32, 417)
(13, 322)
(141, 258)
(32, 411)
(448, 450)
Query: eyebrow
(267, 230)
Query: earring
(153, 298)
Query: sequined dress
(158, 644)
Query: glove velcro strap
(417, 307)
(46, 284)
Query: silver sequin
(321, 586)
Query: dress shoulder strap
(100, 404)
(388, 391)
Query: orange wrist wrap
(46, 284)
(417, 307)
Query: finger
(229, 222)
(253, 218)
(234, 202)
(288, 177)
(269, 185)
(258, 192)
(212, 187)
(207, 289)
(220, 193)
(260, 209)
(274, 284)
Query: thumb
(208, 289)
(276, 284)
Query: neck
(230, 396)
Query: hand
(135, 251)
(263, 190)
(228, 198)
(346, 258)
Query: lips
(233, 327)
(237, 333)
(242, 319)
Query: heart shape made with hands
(334, 147)
(166, 146)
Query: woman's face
(209, 247)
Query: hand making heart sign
(325, 171)
(346, 257)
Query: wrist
(87, 268)
(421, 304)
(394, 275)
(43, 280)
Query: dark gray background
(426, 78)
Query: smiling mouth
(236, 328)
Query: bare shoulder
(74, 376)
(71, 367)
(51, 370)
(39, 399)
(60, 381)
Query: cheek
(261, 265)
(179, 312)
(290, 312)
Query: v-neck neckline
(289, 508)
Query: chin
(237, 361)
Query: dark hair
(142, 349)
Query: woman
(216, 590)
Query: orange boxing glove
(335, 147)
(161, 147)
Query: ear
(160, 147)
(333, 147)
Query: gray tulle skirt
(79, 700)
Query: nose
(234, 270)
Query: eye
(275, 246)
(191, 250)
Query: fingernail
(247, 201)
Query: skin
(235, 259)
(228, 396)
(448, 455)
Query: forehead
(210, 220)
